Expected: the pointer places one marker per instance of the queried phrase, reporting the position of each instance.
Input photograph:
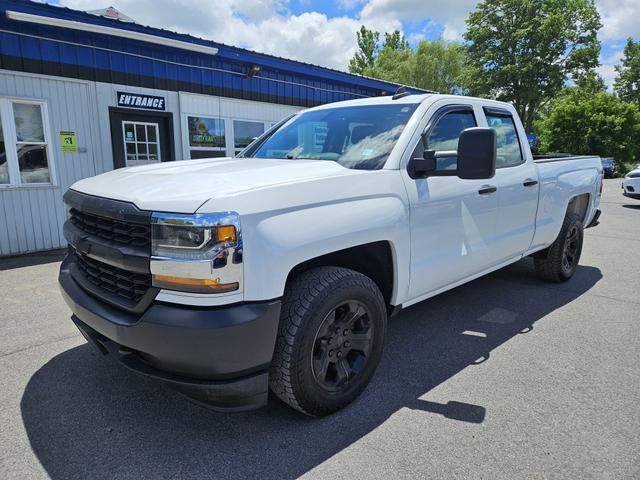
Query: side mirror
(475, 158)
(477, 153)
(425, 166)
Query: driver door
(453, 221)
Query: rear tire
(562, 257)
(330, 340)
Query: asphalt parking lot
(505, 377)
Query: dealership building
(83, 93)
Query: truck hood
(182, 187)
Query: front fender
(276, 242)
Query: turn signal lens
(194, 285)
(225, 234)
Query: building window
(206, 137)
(141, 143)
(244, 133)
(24, 146)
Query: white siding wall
(31, 218)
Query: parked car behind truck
(223, 277)
(631, 184)
(609, 167)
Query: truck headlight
(200, 253)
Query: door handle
(486, 189)
(530, 182)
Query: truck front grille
(114, 231)
(110, 250)
(124, 287)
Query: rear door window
(509, 151)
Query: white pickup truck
(279, 268)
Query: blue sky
(323, 32)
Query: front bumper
(218, 356)
(635, 196)
(631, 187)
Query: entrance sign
(135, 100)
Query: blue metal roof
(51, 50)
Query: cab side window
(509, 152)
(444, 136)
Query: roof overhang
(115, 32)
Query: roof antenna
(401, 92)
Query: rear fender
(556, 197)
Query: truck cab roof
(411, 99)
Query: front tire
(330, 339)
(562, 257)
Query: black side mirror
(477, 153)
(475, 158)
(425, 166)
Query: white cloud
(619, 21)
(619, 18)
(262, 25)
(451, 14)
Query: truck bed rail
(559, 157)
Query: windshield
(359, 137)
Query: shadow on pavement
(632, 207)
(87, 417)
(29, 260)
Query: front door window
(141, 143)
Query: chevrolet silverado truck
(279, 268)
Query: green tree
(591, 82)
(367, 50)
(440, 66)
(395, 42)
(627, 83)
(586, 123)
(433, 65)
(524, 51)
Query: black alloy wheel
(559, 262)
(570, 253)
(342, 345)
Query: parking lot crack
(36, 345)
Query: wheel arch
(579, 204)
(376, 260)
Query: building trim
(115, 32)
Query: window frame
(504, 113)
(7, 117)
(201, 148)
(443, 112)
(146, 142)
(236, 151)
